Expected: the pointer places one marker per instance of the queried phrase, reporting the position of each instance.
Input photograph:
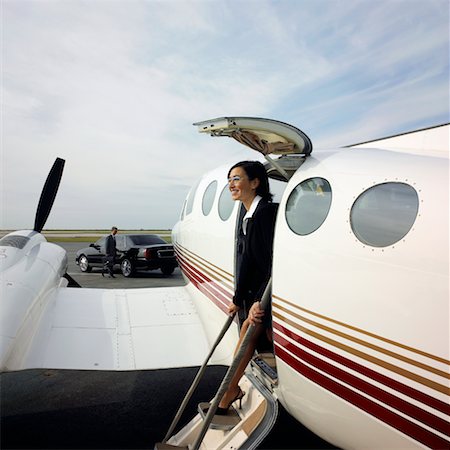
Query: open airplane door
(266, 136)
(248, 425)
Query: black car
(134, 252)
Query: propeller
(48, 194)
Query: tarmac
(71, 409)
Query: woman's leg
(233, 388)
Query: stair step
(240, 428)
(261, 363)
(225, 423)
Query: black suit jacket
(110, 246)
(254, 255)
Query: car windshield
(101, 241)
(149, 239)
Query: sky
(114, 86)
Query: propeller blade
(48, 194)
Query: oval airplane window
(384, 214)
(226, 203)
(308, 205)
(208, 198)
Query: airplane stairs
(241, 428)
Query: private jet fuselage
(360, 290)
(360, 296)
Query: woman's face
(240, 186)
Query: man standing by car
(110, 252)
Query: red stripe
(189, 256)
(226, 299)
(199, 285)
(196, 278)
(218, 287)
(210, 280)
(393, 384)
(404, 425)
(375, 392)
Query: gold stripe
(208, 270)
(368, 344)
(405, 373)
(367, 333)
(228, 276)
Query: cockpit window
(190, 200)
(308, 206)
(183, 210)
(384, 214)
(226, 203)
(208, 198)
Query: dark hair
(255, 169)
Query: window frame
(362, 238)
(325, 216)
(222, 193)
(211, 200)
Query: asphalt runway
(94, 279)
(73, 409)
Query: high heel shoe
(224, 411)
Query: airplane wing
(122, 329)
(45, 324)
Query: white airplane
(360, 295)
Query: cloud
(114, 87)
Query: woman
(249, 184)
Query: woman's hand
(233, 309)
(255, 314)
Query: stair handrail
(197, 378)
(265, 299)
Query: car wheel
(127, 267)
(84, 264)
(168, 270)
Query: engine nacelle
(30, 271)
